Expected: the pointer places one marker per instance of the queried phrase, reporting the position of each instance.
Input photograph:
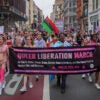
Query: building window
(70, 4)
(93, 2)
(85, 11)
(74, 3)
(97, 4)
(70, 19)
(97, 23)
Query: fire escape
(4, 12)
(12, 11)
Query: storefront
(11, 12)
(94, 20)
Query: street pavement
(76, 89)
(13, 85)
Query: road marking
(16, 80)
(46, 88)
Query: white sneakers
(24, 89)
(30, 85)
(90, 79)
(97, 85)
(0, 91)
(2, 86)
(37, 77)
(83, 76)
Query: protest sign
(70, 60)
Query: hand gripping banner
(67, 60)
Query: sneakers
(97, 85)
(4, 84)
(0, 88)
(62, 91)
(0, 91)
(90, 79)
(30, 85)
(37, 77)
(23, 89)
(83, 76)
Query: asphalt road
(76, 89)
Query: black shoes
(37, 79)
(58, 84)
(62, 91)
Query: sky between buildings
(46, 6)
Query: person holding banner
(61, 43)
(18, 41)
(3, 62)
(29, 44)
(98, 35)
(51, 41)
(68, 38)
(93, 42)
(39, 43)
